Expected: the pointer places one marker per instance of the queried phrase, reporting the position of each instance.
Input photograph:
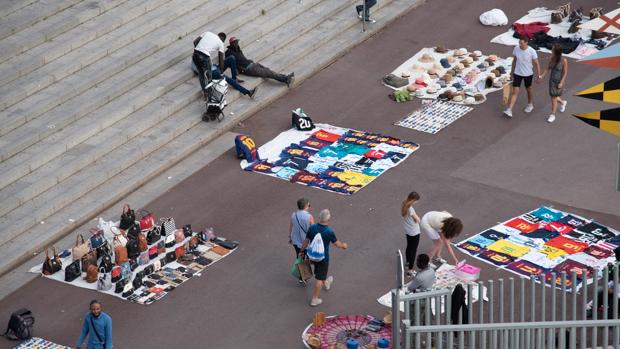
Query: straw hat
(431, 90)
(432, 72)
(404, 74)
(450, 59)
(470, 100)
(418, 67)
(496, 72)
(426, 58)
(411, 87)
(492, 58)
(465, 63)
(447, 77)
(479, 97)
(497, 83)
(469, 60)
(477, 53)
(441, 49)
(437, 66)
(457, 98)
(460, 52)
(459, 67)
(441, 83)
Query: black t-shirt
(242, 61)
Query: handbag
(179, 236)
(81, 247)
(193, 243)
(104, 250)
(187, 230)
(72, 271)
(133, 231)
(117, 275)
(120, 255)
(157, 265)
(106, 263)
(105, 281)
(171, 257)
(167, 226)
(179, 252)
(137, 280)
(125, 270)
(142, 244)
(149, 269)
(118, 288)
(144, 258)
(89, 259)
(161, 247)
(147, 220)
(170, 240)
(152, 252)
(51, 265)
(96, 238)
(228, 244)
(153, 235)
(133, 251)
(119, 239)
(305, 270)
(127, 290)
(133, 263)
(92, 274)
(128, 218)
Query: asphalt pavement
(484, 168)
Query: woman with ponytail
(411, 227)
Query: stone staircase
(97, 98)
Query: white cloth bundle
(494, 17)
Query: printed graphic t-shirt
(327, 234)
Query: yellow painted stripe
(594, 89)
(612, 127)
(612, 96)
(594, 115)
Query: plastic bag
(295, 268)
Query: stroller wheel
(206, 117)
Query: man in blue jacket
(98, 327)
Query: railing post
(615, 333)
(594, 310)
(584, 311)
(605, 305)
(396, 323)
(573, 330)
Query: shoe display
(528, 108)
(508, 113)
(315, 301)
(328, 283)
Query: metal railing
(519, 313)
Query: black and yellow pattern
(606, 120)
(608, 91)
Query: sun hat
(432, 72)
(504, 79)
(447, 77)
(496, 72)
(426, 58)
(481, 67)
(469, 60)
(465, 63)
(441, 49)
(417, 67)
(486, 64)
(404, 74)
(419, 82)
(450, 59)
(437, 66)
(497, 83)
(477, 53)
(470, 100)
(431, 90)
(444, 63)
(419, 93)
(492, 58)
(460, 52)
(457, 86)
(411, 88)
(457, 98)
(501, 69)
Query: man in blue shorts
(321, 268)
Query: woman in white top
(441, 227)
(411, 227)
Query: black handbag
(171, 257)
(103, 250)
(153, 235)
(187, 230)
(51, 265)
(127, 291)
(73, 271)
(149, 269)
(228, 244)
(119, 286)
(133, 264)
(163, 261)
(106, 263)
(133, 231)
(137, 280)
(133, 250)
(128, 218)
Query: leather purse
(72, 271)
(106, 263)
(133, 231)
(157, 265)
(128, 218)
(81, 247)
(119, 238)
(143, 259)
(104, 249)
(161, 247)
(193, 243)
(153, 235)
(127, 290)
(89, 259)
(105, 281)
(147, 220)
(120, 254)
(152, 252)
(171, 257)
(556, 17)
(137, 279)
(116, 274)
(169, 241)
(179, 236)
(228, 244)
(163, 260)
(133, 251)
(133, 263)
(142, 244)
(92, 274)
(125, 270)
(149, 269)
(187, 230)
(118, 288)
(179, 252)
(51, 265)
(96, 238)
(167, 226)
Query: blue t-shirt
(327, 234)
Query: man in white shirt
(524, 59)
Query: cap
(232, 39)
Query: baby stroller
(216, 102)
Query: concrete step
(35, 12)
(9, 6)
(185, 142)
(155, 29)
(105, 141)
(20, 57)
(105, 80)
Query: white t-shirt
(523, 64)
(210, 44)
(432, 223)
(410, 227)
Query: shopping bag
(305, 270)
(295, 269)
(506, 94)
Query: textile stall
(456, 75)
(333, 332)
(39, 343)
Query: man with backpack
(317, 242)
(98, 327)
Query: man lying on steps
(251, 68)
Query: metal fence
(519, 313)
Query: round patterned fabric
(338, 329)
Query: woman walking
(558, 68)
(411, 227)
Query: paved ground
(484, 168)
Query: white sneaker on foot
(563, 106)
(551, 118)
(508, 113)
(528, 108)
(315, 301)
(328, 283)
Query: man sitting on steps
(209, 49)
(251, 68)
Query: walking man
(98, 327)
(250, 68)
(300, 223)
(360, 8)
(321, 268)
(524, 59)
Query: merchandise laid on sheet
(433, 116)
(339, 330)
(447, 276)
(137, 259)
(608, 57)
(562, 26)
(39, 343)
(331, 158)
(544, 241)
(458, 75)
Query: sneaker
(252, 92)
(508, 113)
(411, 273)
(370, 20)
(432, 265)
(315, 301)
(359, 13)
(563, 106)
(528, 108)
(551, 118)
(301, 283)
(328, 283)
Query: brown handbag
(51, 265)
(142, 243)
(92, 274)
(120, 254)
(179, 251)
(81, 247)
(89, 259)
